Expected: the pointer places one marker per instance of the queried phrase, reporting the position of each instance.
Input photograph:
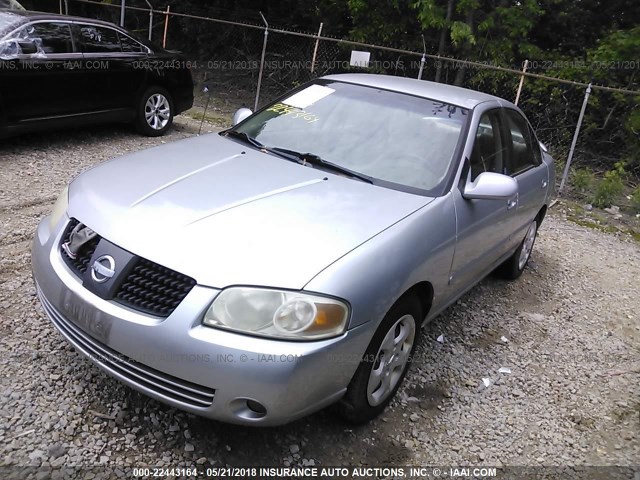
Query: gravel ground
(568, 330)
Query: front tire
(155, 112)
(513, 267)
(385, 363)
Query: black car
(58, 71)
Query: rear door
(113, 66)
(525, 165)
(38, 82)
(482, 225)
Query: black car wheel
(384, 364)
(155, 112)
(513, 267)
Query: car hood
(226, 214)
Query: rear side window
(130, 45)
(95, 39)
(535, 147)
(489, 149)
(522, 155)
(49, 38)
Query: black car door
(37, 82)
(113, 67)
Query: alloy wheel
(391, 360)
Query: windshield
(389, 136)
(8, 21)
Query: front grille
(136, 373)
(81, 262)
(148, 287)
(154, 289)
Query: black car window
(522, 156)
(130, 45)
(489, 150)
(95, 39)
(49, 38)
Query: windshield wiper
(316, 161)
(244, 137)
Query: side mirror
(543, 147)
(28, 47)
(491, 186)
(240, 115)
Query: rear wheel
(385, 363)
(513, 267)
(155, 112)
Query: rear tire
(385, 363)
(513, 267)
(154, 115)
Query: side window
(535, 147)
(522, 155)
(48, 38)
(130, 45)
(98, 39)
(489, 150)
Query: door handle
(544, 184)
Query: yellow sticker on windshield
(293, 112)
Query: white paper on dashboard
(308, 96)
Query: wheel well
(424, 292)
(541, 215)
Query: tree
(485, 30)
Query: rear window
(96, 39)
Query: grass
(596, 221)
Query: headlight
(59, 208)
(280, 314)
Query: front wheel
(513, 267)
(385, 363)
(155, 112)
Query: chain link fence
(250, 64)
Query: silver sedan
(260, 274)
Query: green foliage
(610, 187)
(582, 180)
(635, 200)
(460, 33)
(496, 32)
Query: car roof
(30, 15)
(462, 97)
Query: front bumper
(178, 361)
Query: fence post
(524, 70)
(264, 51)
(575, 139)
(66, 7)
(166, 27)
(423, 59)
(315, 49)
(150, 17)
(150, 22)
(122, 11)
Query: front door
(483, 226)
(37, 82)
